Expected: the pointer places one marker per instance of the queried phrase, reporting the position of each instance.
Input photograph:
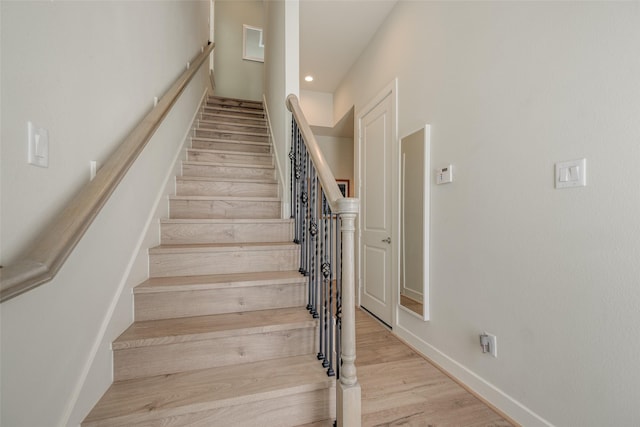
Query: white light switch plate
(572, 173)
(38, 146)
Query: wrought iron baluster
(304, 199)
(313, 237)
(292, 159)
(328, 277)
(338, 296)
(332, 242)
(323, 292)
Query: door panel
(376, 141)
(375, 261)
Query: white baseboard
(483, 389)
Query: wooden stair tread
(234, 108)
(194, 391)
(225, 221)
(236, 132)
(222, 122)
(232, 117)
(238, 112)
(231, 98)
(225, 179)
(246, 102)
(228, 164)
(234, 141)
(213, 281)
(243, 128)
(208, 247)
(227, 198)
(235, 153)
(179, 330)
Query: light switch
(38, 146)
(572, 173)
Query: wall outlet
(489, 344)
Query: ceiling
(333, 34)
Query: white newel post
(348, 401)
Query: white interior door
(376, 132)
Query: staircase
(221, 334)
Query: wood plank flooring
(401, 388)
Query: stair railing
(324, 227)
(42, 260)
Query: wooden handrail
(41, 261)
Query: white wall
(236, 77)
(88, 72)
(281, 78)
(338, 151)
(509, 88)
(317, 107)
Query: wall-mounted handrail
(325, 229)
(40, 262)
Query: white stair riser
(172, 233)
(225, 188)
(229, 136)
(218, 209)
(223, 262)
(166, 359)
(208, 156)
(169, 305)
(216, 171)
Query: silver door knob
(387, 240)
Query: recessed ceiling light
(308, 78)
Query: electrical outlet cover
(493, 345)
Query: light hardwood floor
(401, 388)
